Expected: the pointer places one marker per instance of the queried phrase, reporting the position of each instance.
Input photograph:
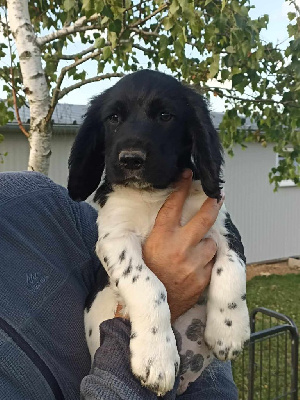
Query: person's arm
(111, 377)
(183, 262)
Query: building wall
(17, 147)
(268, 222)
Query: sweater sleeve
(111, 377)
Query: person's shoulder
(15, 184)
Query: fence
(268, 367)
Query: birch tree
(204, 43)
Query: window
(286, 182)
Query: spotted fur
(137, 142)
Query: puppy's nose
(132, 159)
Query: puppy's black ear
(86, 161)
(207, 153)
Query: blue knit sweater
(47, 267)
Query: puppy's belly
(102, 309)
(194, 354)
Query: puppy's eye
(165, 116)
(114, 119)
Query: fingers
(170, 213)
(200, 224)
(206, 250)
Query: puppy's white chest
(135, 211)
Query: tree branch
(143, 32)
(76, 55)
(251, 100)
(56, 92)
(78, 26)
(86, 81)
(141, 21)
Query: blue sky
(276, 32)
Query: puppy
(136, 139)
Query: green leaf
(68, 5)
(214, 67)
(168, 23)
(99, 43)
(291, 15)
(230, 49)
(106, 53)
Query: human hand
(179, 255)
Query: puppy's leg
(154, 356)
(227, 327)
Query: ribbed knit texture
(47, 267)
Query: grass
(272, 356)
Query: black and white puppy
(136, 139)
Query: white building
(268, 222)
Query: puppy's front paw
(154, 359)
(227, 329)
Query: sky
(276, 32)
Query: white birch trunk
(35, 85)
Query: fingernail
(187, 173)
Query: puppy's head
(145, 130)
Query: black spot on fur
(230, 259)
(160, 377)
(234, 238)
(221, 352)
(176, 365)
(139, 267)
(191, 361)
(161, 299)
(197, 363)
(243, 297)
(228, 322)
(162, 296)
(117, 282)
(148, 278)
(195, 330)
(128, 269)
(105, 236)
(105, 259)
(235, 353)
(102, 193)
(147, 372)
(232, 306)
(219, 271)
(133, 335)
(90, 332)
(101, 282)
(168, 339)
(219, 342)
(135, 278)
(154, 330)
(221, 309)
(122, 256)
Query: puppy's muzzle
(132, 159)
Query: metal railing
(268, 367)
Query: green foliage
(196, 41)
